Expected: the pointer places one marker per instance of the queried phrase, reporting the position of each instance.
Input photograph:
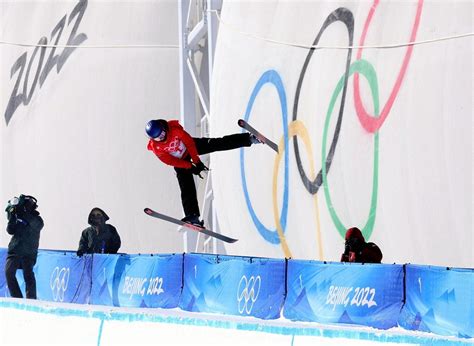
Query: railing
(414, 297)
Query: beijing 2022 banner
(150, 281)
(60, 277)
(63, 277)
(234, 285)
(369, 294)
(439, 300)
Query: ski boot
(254, 139)
(193, 219)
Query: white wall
(423, 207)
(80, 142)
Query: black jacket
(25, 229)
(93, 241)
(368, 253)
(358, 250)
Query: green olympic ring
(367, 70)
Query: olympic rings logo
(59, 282)
(296, 129)
(247, 293)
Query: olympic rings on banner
(367, 70)
(346, 17)
(369, 123)
(296, 128)
(272, 77)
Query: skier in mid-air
(175, 147)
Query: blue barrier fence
(369, 295)
(3, 284)
(234, 285)
(439, 300)
(426, 298)
(152, 281)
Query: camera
(353, 244)
(23, 203)
(12, 207)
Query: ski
(245, 125)
(164, 217)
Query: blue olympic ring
(272, 77)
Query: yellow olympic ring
(296, 128)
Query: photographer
(24, 224)
(357, 250)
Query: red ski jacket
(176, 148)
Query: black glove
(13, 218)
(79, 253)
(23, 222)
(11, 212)
(347, 249)
(198, 168)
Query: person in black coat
(358, 250)
(25, 225)
(100, 237)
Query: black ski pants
(14, 263)
(205, 146)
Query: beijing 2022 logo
(58, 282)
(247, 293)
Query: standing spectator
(100, 237)
(357, 250)
(25, 225)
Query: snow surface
(105, 325)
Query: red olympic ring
(371, 123)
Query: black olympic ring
(344, 15)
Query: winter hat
(354, 232)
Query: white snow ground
(41, 323)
